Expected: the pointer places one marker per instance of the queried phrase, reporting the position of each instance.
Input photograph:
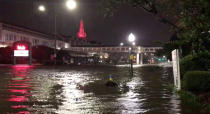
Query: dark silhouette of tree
(189, 19)
(6, 55)
(41, 54)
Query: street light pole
(55, 28)
(131, 60)
(131, 39)
(70, 4)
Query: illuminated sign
(21, 47)
(21, 51)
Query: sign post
(176, 69)
(30, 56)
(131, 57)
(22, 49)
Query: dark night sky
(108, 31)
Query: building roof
(29, 31)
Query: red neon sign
(21, 47)
(21, 50)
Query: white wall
(10, 37)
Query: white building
(10, 34)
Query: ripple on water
(82, 90)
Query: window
(21, 38)
(45, 43)
(35, 42)
(7, 37)
(10, 37)
(15, 38)
(26, 39)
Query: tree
(6, 55)
(96, 58)
(189, 19)
(115, 57)
(41, 53)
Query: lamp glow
(131, 37)
(121, 44)
(71, 4)
(41, 8)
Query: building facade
(10, 34)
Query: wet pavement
(82, 90)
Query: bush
(197, 62)
(189, 99)
(208, 108)
(197, 81)
(6, 55)
(41, 53)
(186, 64)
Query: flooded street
(82, 90)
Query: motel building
(10, 34)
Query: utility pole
(55, 28)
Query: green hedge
(189, 99)
(197, 81)
(200, 62)
(186, 64)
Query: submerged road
(82, 90)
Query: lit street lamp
(71, 4)
(41, 8)
(131, 39)
(133, 43)
(121, 44)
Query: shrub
(41, 53)
(6, 55)
(208, 108)
(196, 62)
(197, 81)
(189, 99)
(186, 64)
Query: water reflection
(75, 101)
(26, 92)
(131, 100)
(81, 90)
(19, 89)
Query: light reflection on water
(131, 100)
(76, 90)
(18, 89)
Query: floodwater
(82, 90)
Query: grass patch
(189, 99)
